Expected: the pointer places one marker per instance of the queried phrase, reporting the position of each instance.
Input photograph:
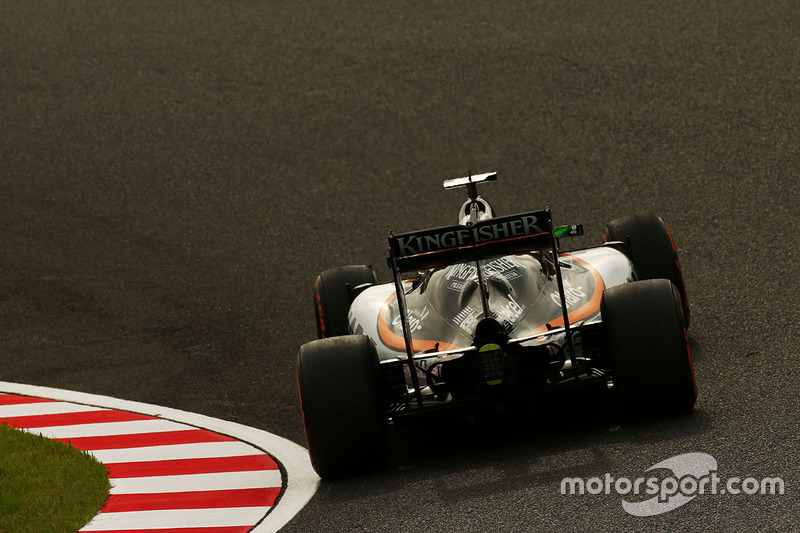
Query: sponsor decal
(690, 475)
(467, 319)
(572, 294)
(457, 236)
(504, 266)
(414, 321)
(457, 286)
(509, 314)
(461, 273)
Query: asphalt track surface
(175, 174)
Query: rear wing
(524, 232)
(420, 250)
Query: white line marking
(197, 482)
(45, 408)
(106, 429)
(182, 518)
(300, 483)
(167, 452)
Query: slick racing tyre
(648, 349)
(340, 399)
(333, 294)
(651, 250)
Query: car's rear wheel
(341, 403)
(648, 348)
(651, 249)
(333, 294)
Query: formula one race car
(493, 314)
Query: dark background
(173, 176)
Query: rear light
(492, 362)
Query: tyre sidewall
(651, 249)
(333, 296)
(341, 403)
(648, 348)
